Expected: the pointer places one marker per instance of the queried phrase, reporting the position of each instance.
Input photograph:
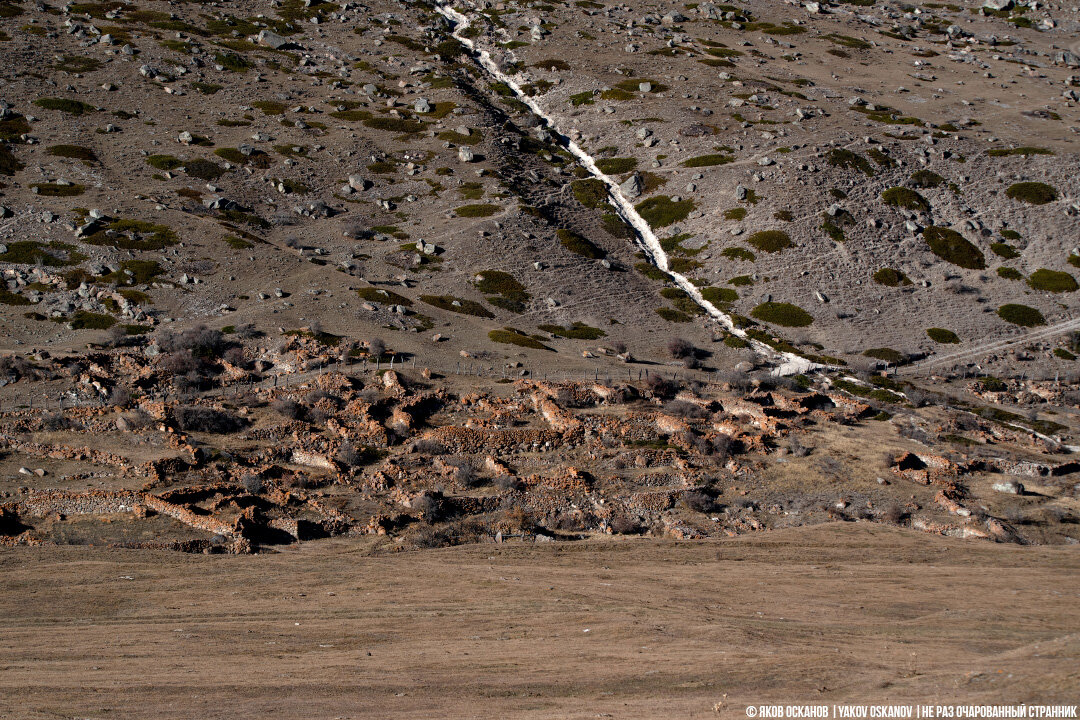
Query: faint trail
(995, 345)
(649, 243)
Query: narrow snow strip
(790, 363)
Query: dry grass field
(624, 629)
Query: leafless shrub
(289, 408)
(197, 419)
(292, 242)
(661, 388)
(179, 362)
(429, 505)
(619, 347)
(427, 446)
(15, 367)
(200, 341)
(697, 501)
(376, 347)
(252, 483)
(796, 448)
(721, 446)
(895, 515)
(684, 409)
(736, 379)
(235, 356)
(57, 421)
(119, 397)
(138, 419)
(507, 483)
(679, 348)
(246, 331)
(622, 525)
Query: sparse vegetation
(905, 198)
(780, 313)
(457, 305)
(843, 158)
(579, 245)
(576, 331)
(1054, 281)
(943, 336)
(1033, 193)
(890, 277)
(1021, 315)
(952, 247)
(476, 211)
(510, 336)
(770, 241)
(662, 210)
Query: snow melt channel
(790, 363)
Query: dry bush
(119, 397)
(662, 388)
(427, 446)
(507, 483)
(895, 515)
(622, 525)
(180, 362)
(697, 501)
(197, 419)
(679, 348)
(796, 448)
(252, 484)
(429, 505)
(200, 341)
(289, 408)
(684, 409)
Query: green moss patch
(1004, 250)
(926, 179)
(785, 314)
(74, 152)
(891, 278)
(53, 254)
(1054, 281)
(738, 253)
(204, 169)
(719, 296)
(1033, 193)
(943, 336)
(1027, 150)
(71, 107)
(616, 166)
(577, 331)
(58, 190)
(133, 235)
(590, 192)
(952, 247)
(770, 241)
(457, 305)
(708, 160)
(842, 158)
(662, 211)
(905, 198)
(511, 336)
(1021, 315)
(579, 245)
(383, 296)
(477, 211)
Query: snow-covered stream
(650, 244)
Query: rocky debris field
(144, 456)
